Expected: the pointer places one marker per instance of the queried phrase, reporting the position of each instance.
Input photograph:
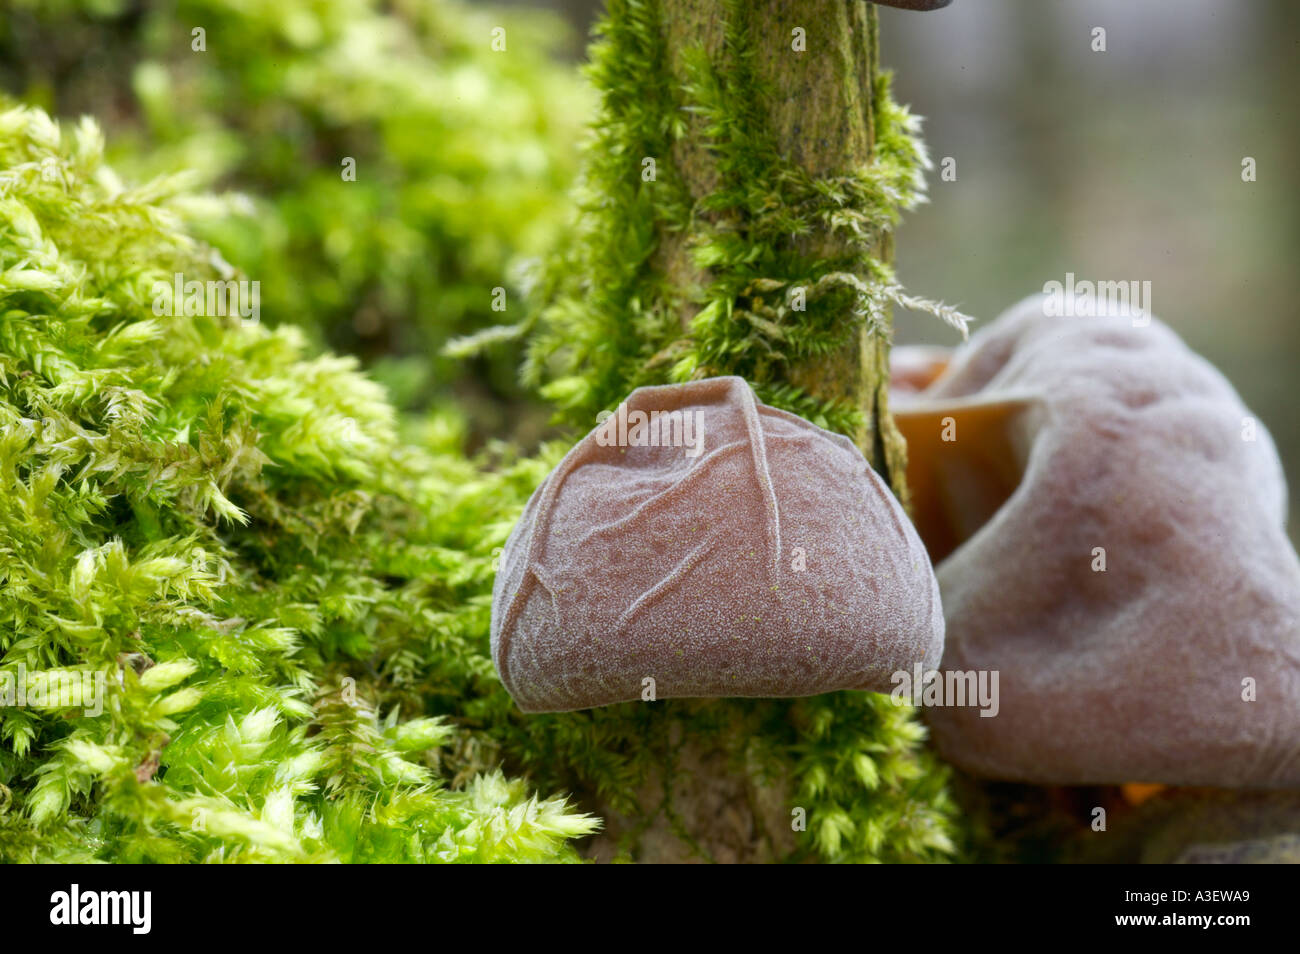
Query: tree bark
(820, 109)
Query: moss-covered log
(746, 168)
(809, 66)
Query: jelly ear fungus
(1107, 520)
(765, 560)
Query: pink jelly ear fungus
(1107, 519)
(699, 543)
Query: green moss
(226, 529)
(463, 154)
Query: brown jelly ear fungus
(699, 543)
(1107, 520)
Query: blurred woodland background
(1117, 165)
(1123, 164)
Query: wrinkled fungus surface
(1115, 521)
(767, 559)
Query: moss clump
(227, 530)
(463, 154)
